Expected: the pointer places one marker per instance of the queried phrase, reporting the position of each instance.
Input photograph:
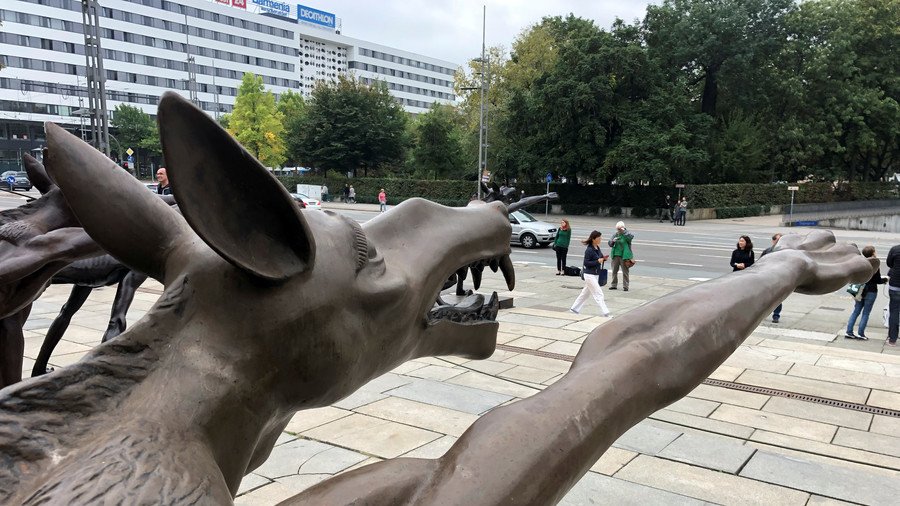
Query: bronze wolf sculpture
(268, 310)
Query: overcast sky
(451, 29)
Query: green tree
(257, 123)
(438, 144)
(135, 129)
(293, 110)
(716, 42)
(350, 126)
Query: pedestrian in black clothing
(742, 257)
(776, 315)
(893, 262)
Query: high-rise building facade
(200, 48)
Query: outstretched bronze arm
(535, 450)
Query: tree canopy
(257, 123)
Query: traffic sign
(130, 159)
(129, 151)
(10, 180)
(793, 188)
(549, 177)
(679, 185)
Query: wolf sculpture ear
(228, 198)
(37, 174)
(115, 209)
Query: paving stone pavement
(715, 446)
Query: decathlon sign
(273, 7)
(315, 16)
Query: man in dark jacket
(893, 262)
(776, 315)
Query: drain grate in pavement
(571, 287)
(831, 308)
(536, 353)
(864, 408)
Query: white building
(147, 45)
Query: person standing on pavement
(893, 263)
(666, 213)
(776, 315)
(346, 193)
(382, 200)
(351, 195)
(324, 192)
(742, 257)
(593, 258)
(863, 306)
(621, 251)
(561, 246)
(162, 180)
(682, 212)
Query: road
(699, 251)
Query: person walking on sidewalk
(382, 200)
(593, 258)
(776, 315)
(742, 257)
(351, 195)
(893, 263)
(621, 252)
(324, 192)
(561, 246)
(867, 295)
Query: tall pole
(481, 119)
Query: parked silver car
(529, 231)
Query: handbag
(629, 263)
(603, 275)
(855, 290)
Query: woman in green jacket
(561, 246)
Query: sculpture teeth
(494, 264)
(509, 273)
(476, 277)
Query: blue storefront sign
(315, 16)
(273, 7)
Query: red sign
(226, 2)
(239, 3)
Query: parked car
(151, 186)
(529, 231)
(308, 202)
(21, 180)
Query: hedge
(740, 195)
(742, 211)
(728, 199)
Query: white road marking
(686, 265)
(699, 279)
(713, 256)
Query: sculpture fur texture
(268, 310)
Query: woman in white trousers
(593, 257)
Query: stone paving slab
(712, 452)
(419, 414)
(819, 413)
(775, 423)
(700, 423)
(809, 447)
(612, 460)
(372, 436)
(876, 443)
(602, 490)
(882, 399)
(729, 396)
(846, 377)
(494, 384)
(707, 485)
(828, 481)
(457, 397)
(646, 438)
